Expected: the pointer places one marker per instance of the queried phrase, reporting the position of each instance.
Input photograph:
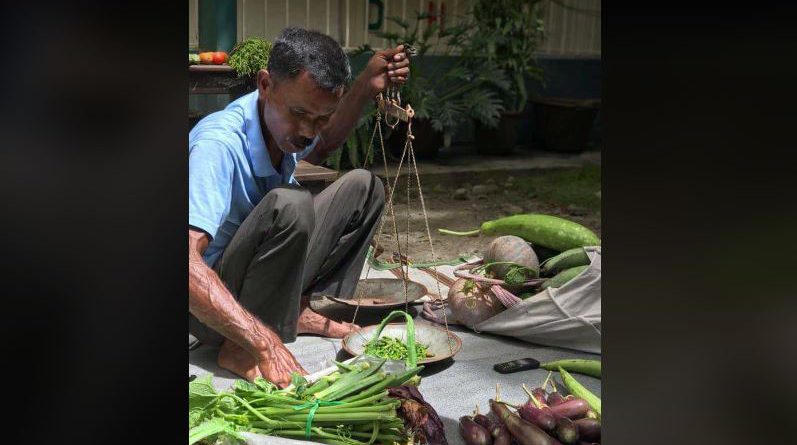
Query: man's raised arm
(390, 64)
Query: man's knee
(294, 208)
(362, 181)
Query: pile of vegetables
(351, 406)
(208, 58)
(563, 240)
(547, 418)
(511, 270)
(395, 349)
(250, 56)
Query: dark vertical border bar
(93, 182)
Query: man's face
(295, 110)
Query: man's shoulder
(227, 125)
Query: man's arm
(390, 64)
(211, 303)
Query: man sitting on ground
(259, 245)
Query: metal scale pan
(383, 293)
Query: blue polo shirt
(230, 171)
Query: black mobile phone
(522, 364)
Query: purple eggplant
(556, 398)
(484, 421)
(566, 430)
(542, 417)
(525, 432)
(502, 437)
(588, 429)
(540, 395)
(572, 409)
(473, 433)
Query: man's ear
(264, 82)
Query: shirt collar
(258, 152)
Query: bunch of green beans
(393, 348)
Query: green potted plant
(247, 58)
(506, 34)
(355, 152)
(445, 92)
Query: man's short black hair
(297, 50)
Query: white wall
(573, 27)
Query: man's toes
(253, 373)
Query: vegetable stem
(547, 379)
(531, 397)
(451, 232)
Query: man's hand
(277, 364)
(390, 64)
(252, 349)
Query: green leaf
(195, 417)
(430, 31)
(213, 428)
(334, 160)
(362, 49)
(391, 36)
(460, 73)
(201, 392)
(244, 389)
(517, 274)
(365, 137)
(492, 74)
(469, 287)
(352, 149)
(299, 383)
(264, 385)
(398, 21)
(484, 106)
(448, 116)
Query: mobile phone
(522, 364)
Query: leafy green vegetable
(299, 383)
(393, 348)
(212, 427)
(201, 392)
(347, 407)
(250, 56)
(469, 286)
(516, 274)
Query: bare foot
(311, 322)
(238, 361)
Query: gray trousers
(295, 244)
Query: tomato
(206, 58)
(219, 57)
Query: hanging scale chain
(390, 108)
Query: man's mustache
(300, 141)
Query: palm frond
(398, 21)
(483, 106)
(492, 74)
(448, 116)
